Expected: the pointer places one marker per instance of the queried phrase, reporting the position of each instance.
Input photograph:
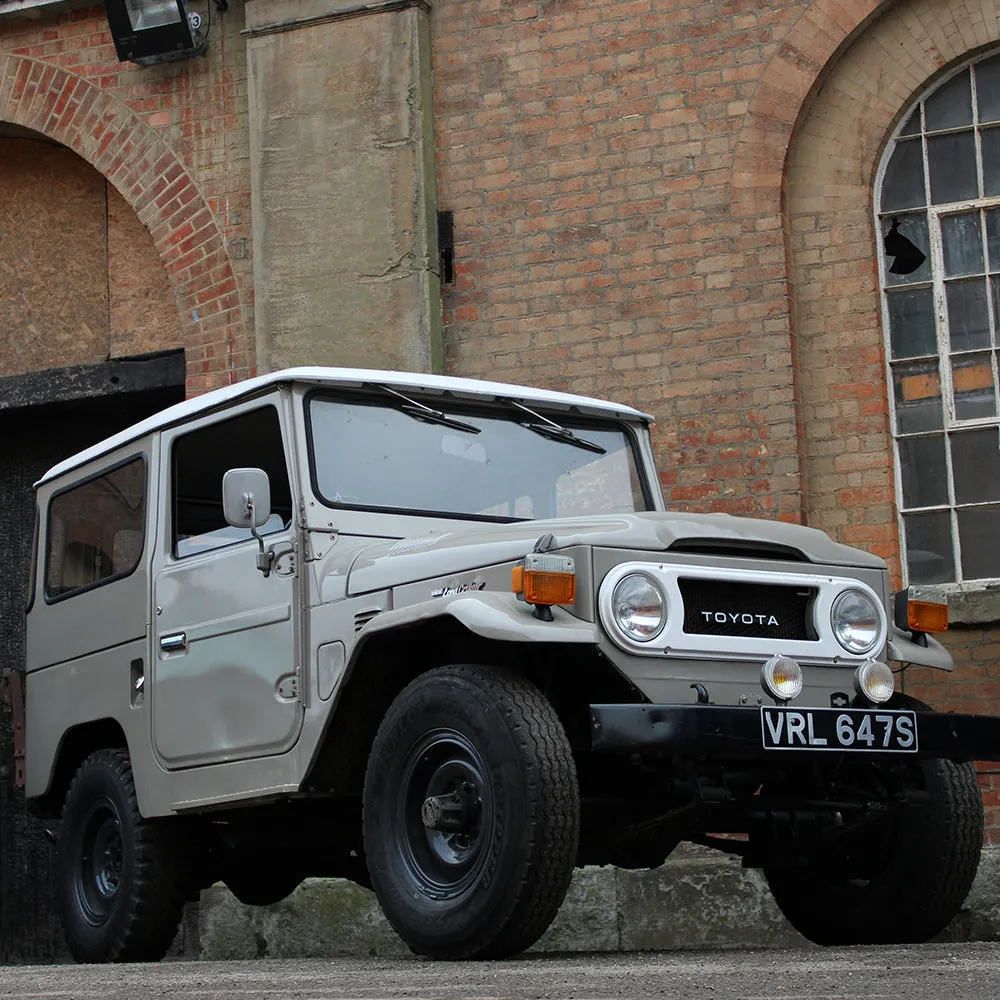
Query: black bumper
(724, 732)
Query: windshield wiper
(553, 431)
(414, 408)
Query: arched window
(937, 202)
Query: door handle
(173, 643)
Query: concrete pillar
(343, 191)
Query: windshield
(376, 454)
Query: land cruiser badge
(459, 588)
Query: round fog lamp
(781, 678)
(874, 681)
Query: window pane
(988, 89)
(993, 237)
(952, 163)
(928, 547)
(903, 184)
(200, 460)
(978, 531)
(950, 106)
(972, 378)
(975, 462)
(912, 227)
(917, 390)
(96, 530)
(991, 161)
(911, 322)
(963, 244)
(912, 124)
(925, 474)
(968, 314)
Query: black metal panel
(722, 732)
(33, 438)
(762, 610)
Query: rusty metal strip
(343, 14)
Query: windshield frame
(494, 408)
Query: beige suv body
(442, 637)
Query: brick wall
(586, 148)
(173, 141)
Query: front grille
(755, 610)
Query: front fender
(903, 648)
(491, 615)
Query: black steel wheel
(122, 888)
(899, 880)
(471, 813)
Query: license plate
(838, 729)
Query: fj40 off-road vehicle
(442, 638)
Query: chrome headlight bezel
(871, 619)
(631, 579)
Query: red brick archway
(782, 95)
(152, 179)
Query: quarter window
(95, 530)
(938, 208)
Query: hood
(388, 564)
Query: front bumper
(716, 731)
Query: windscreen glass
(464, 463)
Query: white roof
(340, 376)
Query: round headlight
(639, 607)
(856, 621)
(874, 680)
(781, 677)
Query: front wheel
(900, 880)
(471, 813)
(121, 887)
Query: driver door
(224, 679)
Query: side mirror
(246, 503)
(246, 498)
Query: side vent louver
(362, 618)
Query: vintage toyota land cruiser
(441, 637)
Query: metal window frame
(934, 214)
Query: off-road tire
(493, 889)
(931, 863)
(122, 885)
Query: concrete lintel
(306, 13)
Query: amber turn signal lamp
(925, 616)
(545, 579)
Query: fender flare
(488, 614)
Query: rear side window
(95, 530)
(202, 458)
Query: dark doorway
(44, 418)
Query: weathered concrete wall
(344, 210)
(690, 902)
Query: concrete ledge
(690, 902)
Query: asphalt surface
(927, 972)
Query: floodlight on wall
(147, 32)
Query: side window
(95, 530)
(202, 458)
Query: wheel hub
(452, 812)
